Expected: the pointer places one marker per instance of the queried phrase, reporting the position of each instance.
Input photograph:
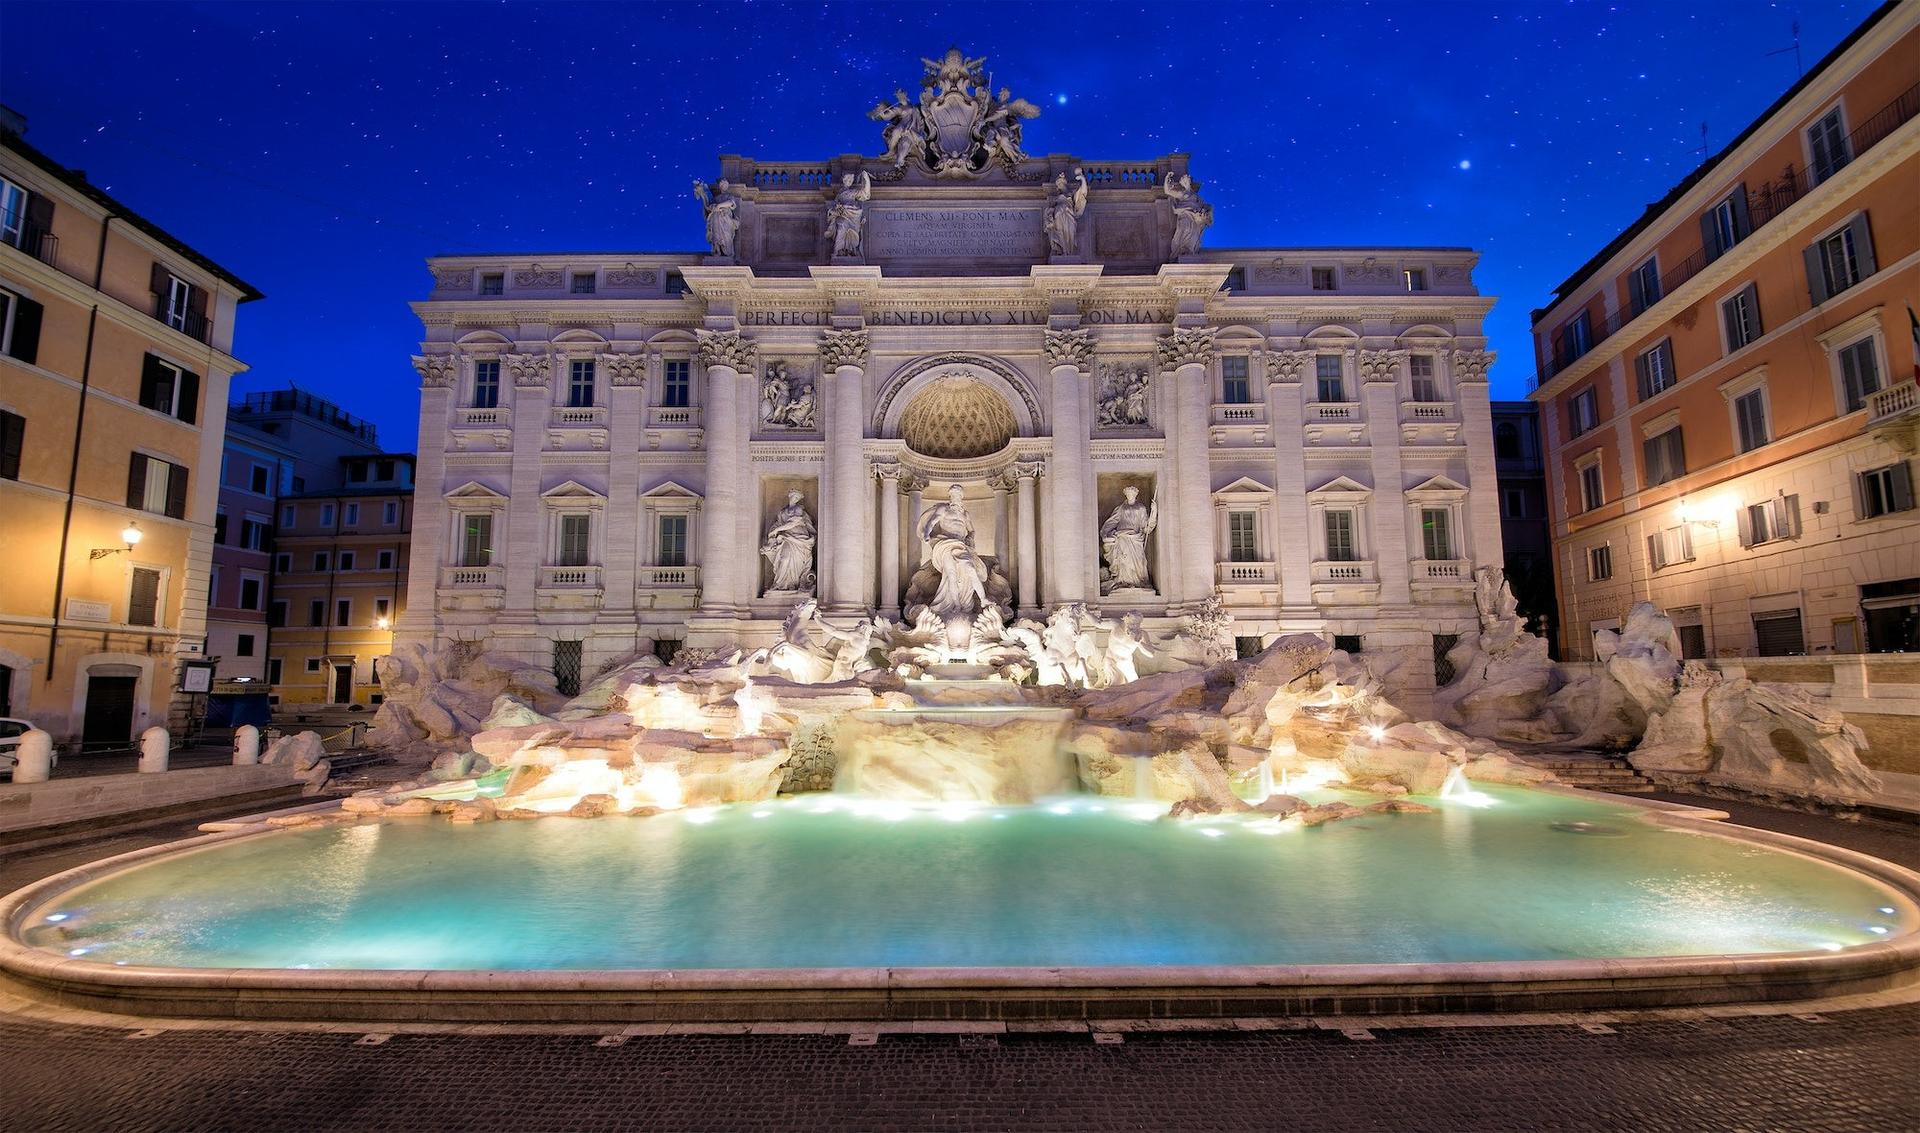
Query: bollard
(33, 759)
(246, 745)
(155, 746)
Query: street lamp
(131, 535)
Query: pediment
(1341, 486)
(670, 490)
(1438, 485)
(571, 490)
(1244, 486)
(475, 490)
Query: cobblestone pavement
(1852, 1070)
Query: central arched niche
(955, 417)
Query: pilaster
(428, 541)
(1380, 398)
(724, 355)
(849, 486)
(523, 548)
(1286, 409)
(1469, 373)
(626, 376)
(1184, 355)
(1070, 524)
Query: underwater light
(1877, 930)
(1887, 909)
(1212, 832)
(1831, 947)
(1060, 808)
(56, 918)
(763, 814)
(78, 951)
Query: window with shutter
(1741, 313)
(1665, 456)
(13, 442)
(1777, 633)
(143, 598)
(1593, 492)
(1600, 563)
(1654, 368)
(20, 327)
(1583, 411)
(317, 612)
(1859, 373)
(1750, 420)
(1883, 491)
(1827, 143)
(13, 212)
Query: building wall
(1817, 448)
(50, 681)
(306, 653)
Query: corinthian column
(1071, 523)
(848, 547)
(889, 474)
(725, 355)
(1028, 558)
(626, 408)
(439, 374)
(1184, 354)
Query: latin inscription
(900, 233)
(982, 317)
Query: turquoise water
(824, 881)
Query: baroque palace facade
(629, 451)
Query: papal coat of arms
(959, 127)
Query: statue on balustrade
(1191, 215)
(847, 214)
(1123, 543)
(1064, 208)
(723, 222)
(788, 548)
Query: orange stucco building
(115, 361)
(1727, 388)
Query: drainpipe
(73, 466)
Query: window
(1436, 533)
(1643, 285)
(579, 383)
(277, 613)
(1583, 412)
(1243, 542)
(1665, 455)
(1859, 373)
(1576, 338)
(1340, 543)
(243, 645)
(143, 598)
(676, 284)
(384, 469)
(486, 384)
(493, 283)
(351, 516)
(220, 529)
(1593, 490)
(390, 512)
(384, 561)
(1827, 145)
(1600, 563)
(1330, 369)
(574, 530)
(1725, 224)
(583, 282)
(346, 560)
(1323, 279)
(1769, 520)
(275, 670)
(1506, 441)
(167, 388)
(13, 444)
(1778, 633)
(316, 614)
(320, 560)
(1892, 612)
(566, 667)
(1750, 420)
(666, 648)
(1654, 369)
(1248, 646)
(20, 326)
(289, 516)
(673, 540)
(1420, 371)
(1236, 280)
(326, 515)
(260, 480)
(343, 612)
(1840, 260)
(178, 303)
(1673, 545)
(1416, 279)
(157, 486)
(249, 593)
(1234, 387)
(1741, 314)
(13, 214)
(1513, 503)
(357, 472)
(313, 664)
(1443, 671)
(1693, 641)
(476, 540)
(1349, 643)
(677, 388)
(381, 607)
(253, 534)
(1883, 491)
(283, 563)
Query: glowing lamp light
(130, 535)
(382, 622)
(1376, 733)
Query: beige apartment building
(1727, 389)
(115, 339)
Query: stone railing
(1894, 401)
(1443, 570)
(1239, 413)
(1426, 410)
(673, 416)
(1334, 411)
(568, 416)
(569, 578)
(1344, 571)
(791, 176)
(494, 416)
(472, 577)
(1244, 574)
(669, 577)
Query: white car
(10, 732)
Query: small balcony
(669, 577)
(1440, 574)
(1342, 580)
(1239, 413)
(1245, 574)
(1893, 402)
(1426, 411)
(673, 417)
(579, 416)
(472, 577)
(190, 323)
(1334, 411)
(569, 578)
(495, 417)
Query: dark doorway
(108, 723)
(343, 684)
(6, 690)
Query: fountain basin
(829, 908)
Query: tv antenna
(1799, 68)
(1703, 141)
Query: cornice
(43, 275)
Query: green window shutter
(13, 441)
(137, 480)
(189, 398)
(1816, 273)
(1902, 486)
(176, 490)
(1863, 245)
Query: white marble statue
(948, 532)
(1123, 543)
(1191, 215)
(813, 650)
(1071, 644)
(1065, 205)
(905, 135)
(1125, 640)
(847, 213)
(1002, 126)
(785, 402)
(723, 222)
(788, 548)
(1123, 396)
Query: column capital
(1381, 365)
(623, 369)
(911, 481)
(844, 347)
(727, 348)
(529, 371)
(1290, 365)
(436, 370)
(1186, 346)
(1472, 365)
(1027, 469)
(1070, 347)
(884, 471)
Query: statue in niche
(1191, 215)
(948, 531)
(1064, 208)
(723, 222)
(1123, 543)
(1002, 126)
(1125, 639)
(788, 548)
(847, 213)
(905, 135)
(1123, 398)
(784, 401)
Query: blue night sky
(322, 151)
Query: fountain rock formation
(1502, 674)
(1637, 667)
